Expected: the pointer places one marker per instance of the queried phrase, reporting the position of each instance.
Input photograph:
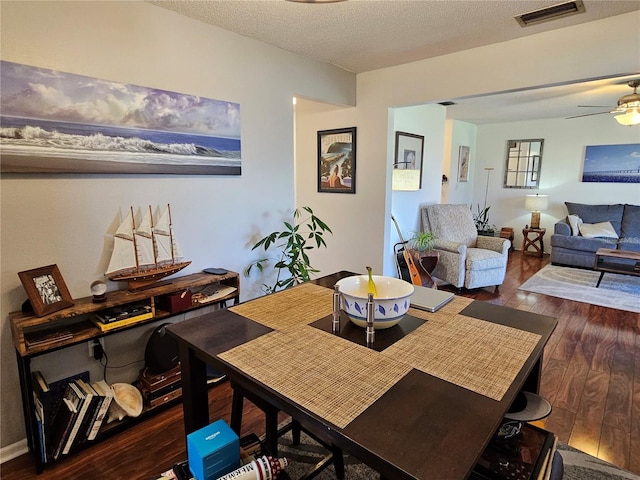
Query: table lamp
(405, 180)
(536, 203)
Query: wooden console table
(537, 242)
(34, 336)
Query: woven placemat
(289, 308)
(325, 374)
(481, 356)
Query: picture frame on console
(46, 289)
(337, 160)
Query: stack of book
(123, 315)
(69, 412)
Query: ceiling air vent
(448, 103)
(550, 13)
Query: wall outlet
(92, 347)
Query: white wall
(459, 134)
(562, 161)
(68, 219)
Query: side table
(536, 241)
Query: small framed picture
(337, 160)
(46, 289)
(407, 167)
(463, 164)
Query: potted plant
(481, 219)
(292, 242)
(421, 244)
(422, 241)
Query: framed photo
(463, 164)
(46, 289)
(611, 163)
(337, 160)
(407, 167)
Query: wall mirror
(524, 159)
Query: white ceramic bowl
(391, 304)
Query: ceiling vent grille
(550, 13)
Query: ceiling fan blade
(586, 115)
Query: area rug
(577, 465)
(615, 291)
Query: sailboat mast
(153, 239)
(173, 248)
(135, 244)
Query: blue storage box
(213, 451)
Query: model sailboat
(144, 255)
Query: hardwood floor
(591, 375)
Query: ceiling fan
(628, 110)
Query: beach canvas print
(612, 163)
(61, 122)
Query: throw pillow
(602, 229)
(574, 222)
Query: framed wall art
(407, 165)
(612, 163)
(46, 289)
(337, 160)
(463, 164)
(58, 122)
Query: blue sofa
(569, 248)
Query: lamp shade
(630, 117)
(405, 180)
(536, 203)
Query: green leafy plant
(293, 243)
(481, 219)
(422, 241)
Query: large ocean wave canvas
(57, 122)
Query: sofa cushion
(631, 223)
(574, 222)
(598, 213)
(582, 244)
(595, 230)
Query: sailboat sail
(168, 249)
(144, 241)
(124, 255)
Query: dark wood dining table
(421, 427)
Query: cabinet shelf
(34, 336)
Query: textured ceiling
(364, 35)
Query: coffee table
(616, 261)
(420, 426)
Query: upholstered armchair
(466, 259)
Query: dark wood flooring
(591, 375)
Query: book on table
(47, 400)
(82, 407)
(64, 420)
(95, 400)
(106, 394)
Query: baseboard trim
(14, 450)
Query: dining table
(422, 401)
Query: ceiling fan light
(630, 118)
